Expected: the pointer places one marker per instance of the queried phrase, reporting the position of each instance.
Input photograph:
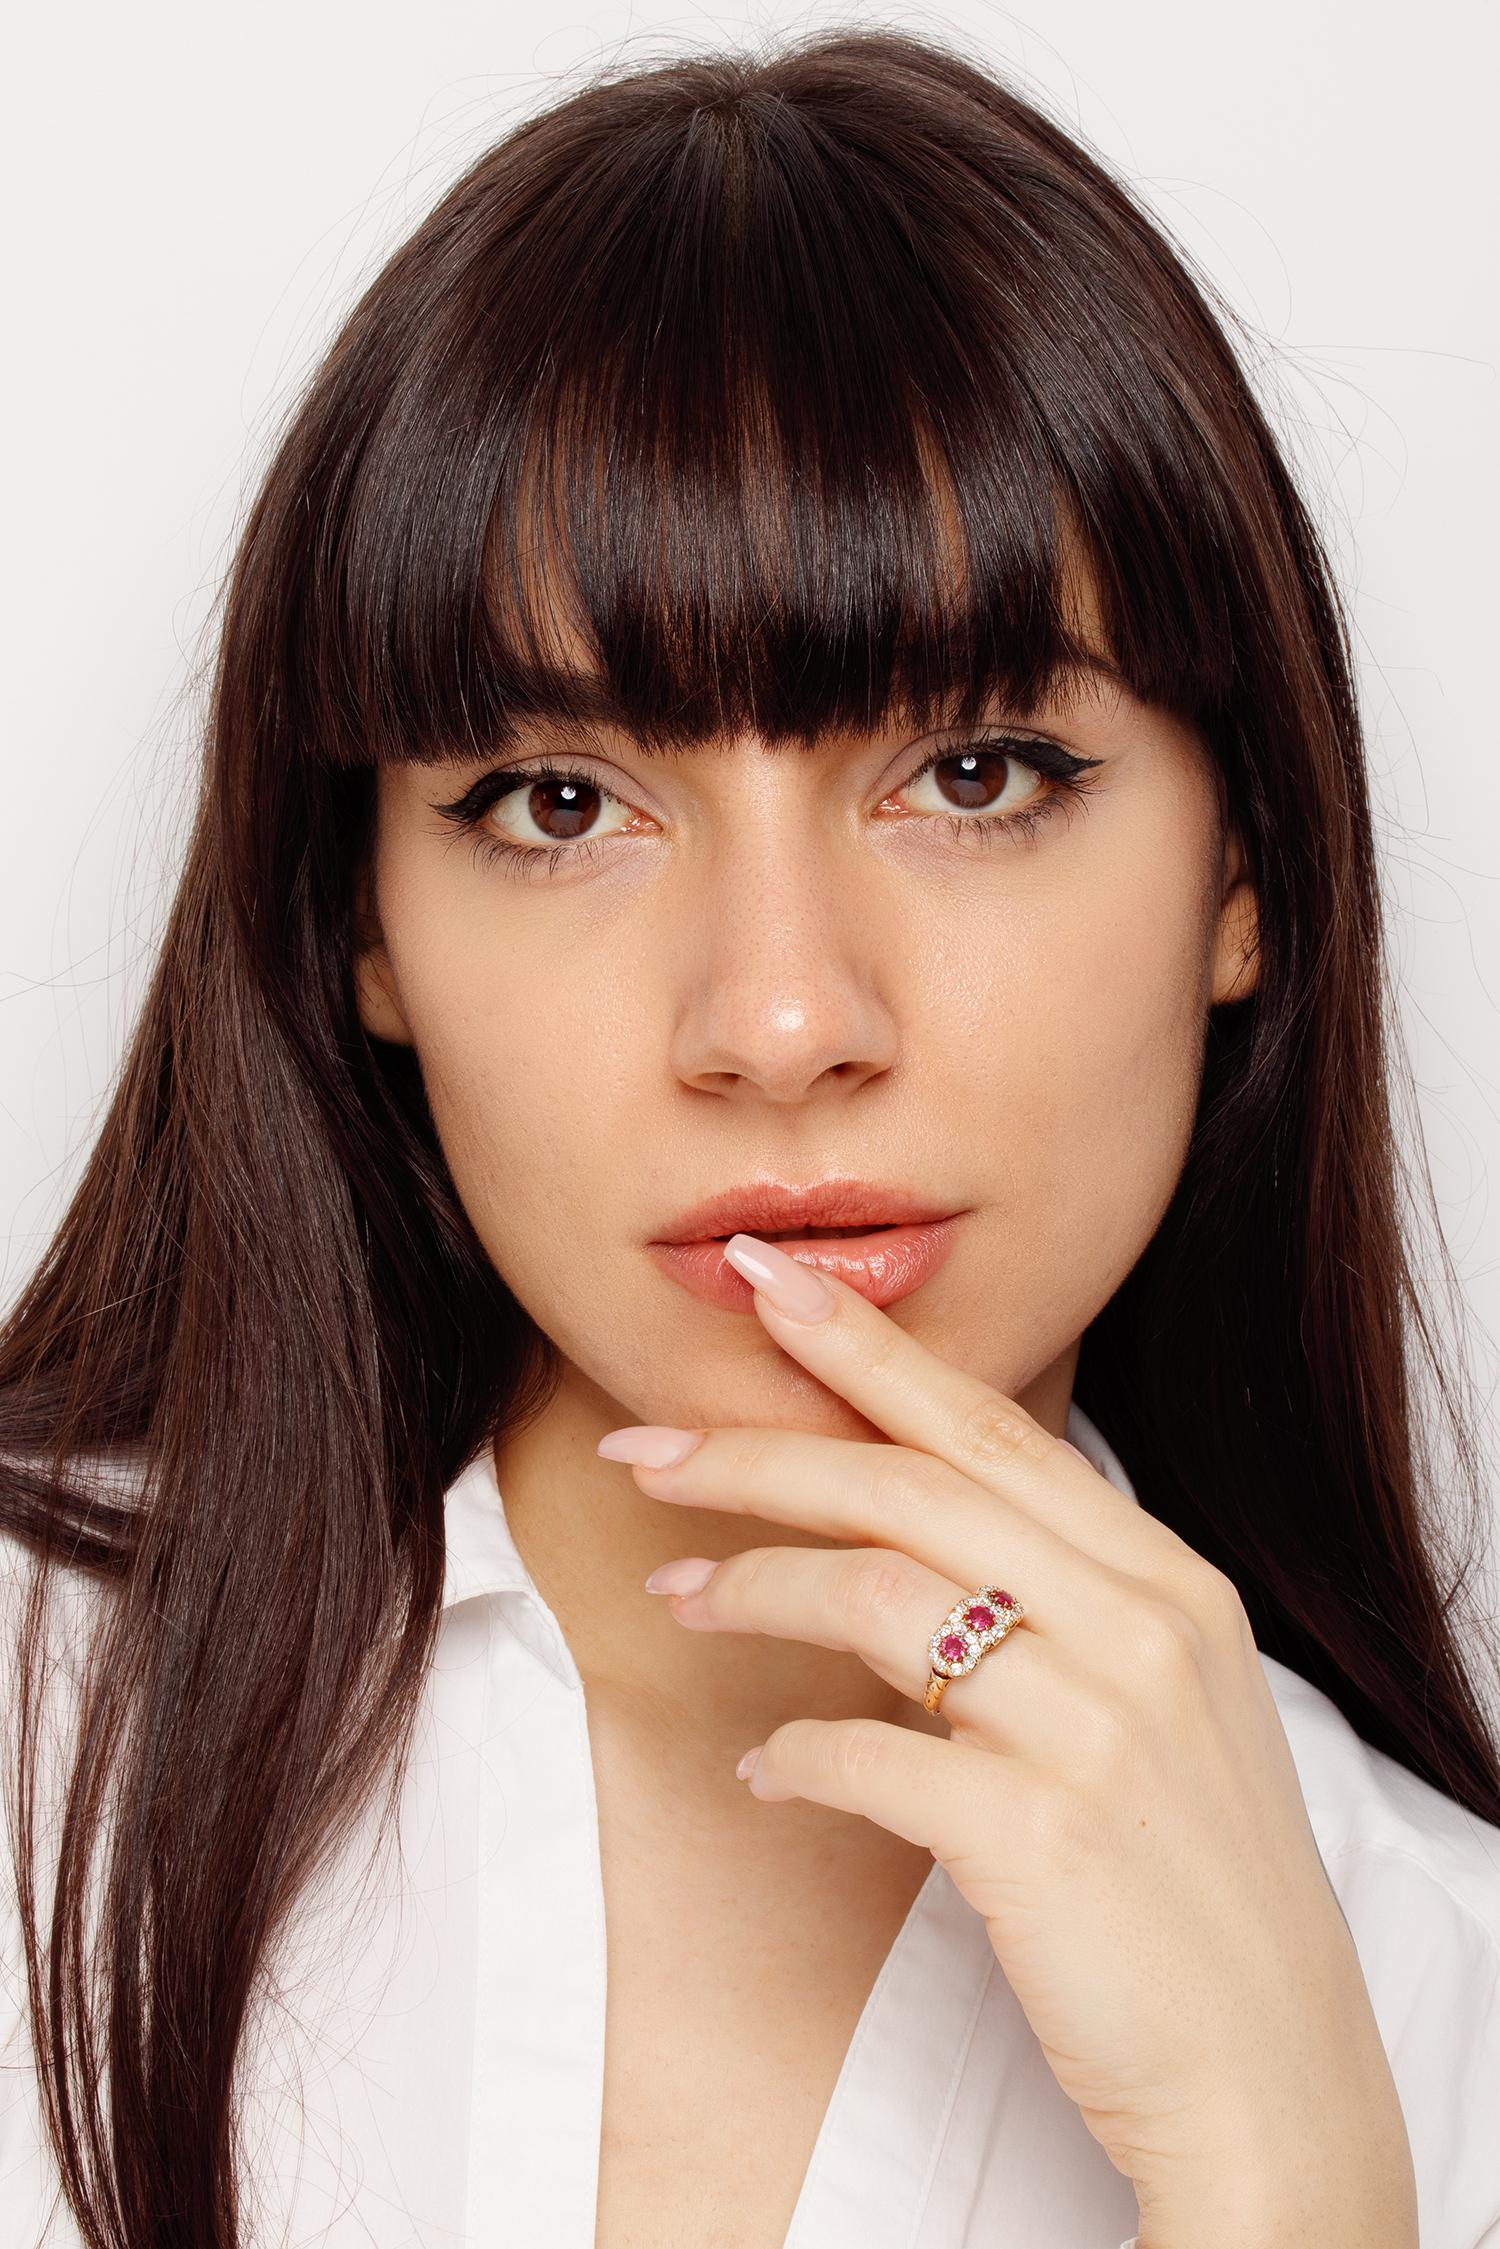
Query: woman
(783, 893)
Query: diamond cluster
(971, 1627)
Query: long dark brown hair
(750, 339)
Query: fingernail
(1083, 1456)
(748, 1763)
(649, 1445)
(690, 1575)
(798, 1290)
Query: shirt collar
(483, 1558)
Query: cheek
(526, 1058)
(1092, 1060)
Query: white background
(196, 192)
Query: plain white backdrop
(197, 192)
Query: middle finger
(890, 1496)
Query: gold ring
(966, 1635)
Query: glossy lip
(881, 1267)
(770, 1206)
(916, 1237)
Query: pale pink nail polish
(649, 1445)
(798, 1290)
(689, 1575)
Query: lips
(883, 1242)
(766, 1207)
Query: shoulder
(1417, 1878)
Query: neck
(590, 1536)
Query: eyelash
(1067, 773)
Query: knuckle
(874, 1587)
(738, 1584)
(854, 1748)
(1168, 1643)
(1208, 1595)
(752, 1454)
(824, 1758)
(995, 1433)
(909, 1484)
(1221, 1605)
(885, 1348)
(1206, 1600)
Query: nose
(786, 986)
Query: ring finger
(885, 1608)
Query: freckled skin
(763, 975)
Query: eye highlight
(968, 768)
(571, 800)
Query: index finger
(922, 1400)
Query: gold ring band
(966, 1635)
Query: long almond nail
(798, 1290)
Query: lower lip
(882, 1267)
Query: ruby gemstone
(1006, 1600)
(979, 1616)
(953, 1649)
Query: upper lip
(776, 1208)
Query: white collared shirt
(430, 2072)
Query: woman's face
(778, 964)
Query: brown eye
(975, 780)
(553, 808)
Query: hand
(1116, 1796)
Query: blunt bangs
(703, 416)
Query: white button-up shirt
(426, 2068)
